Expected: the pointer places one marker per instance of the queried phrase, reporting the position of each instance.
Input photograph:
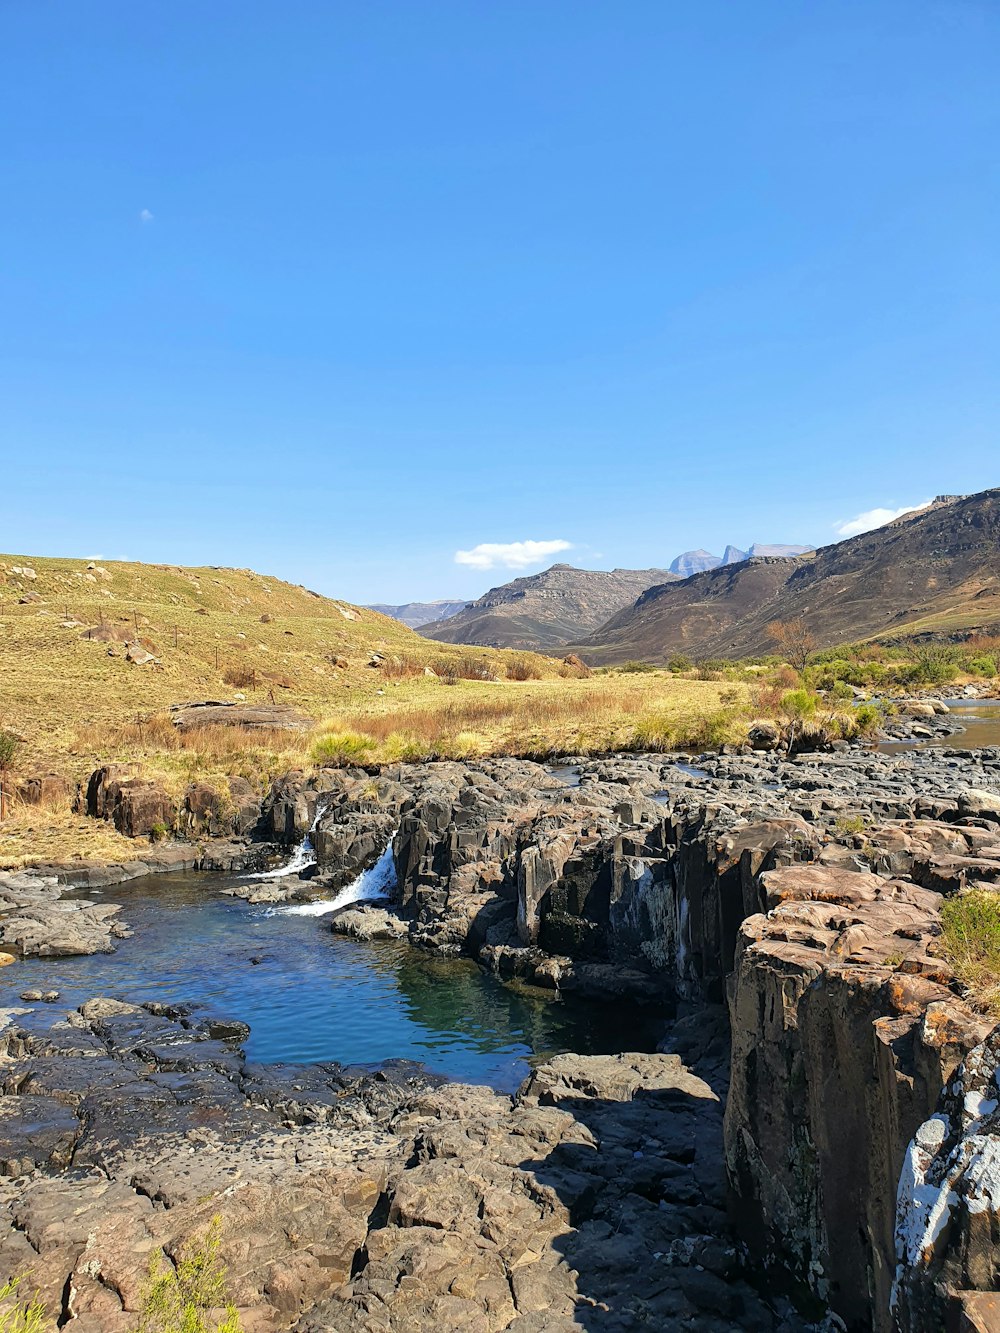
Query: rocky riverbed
(828, 1062)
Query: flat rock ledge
(594, 1198)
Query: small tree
(794, 640)
(9, 746)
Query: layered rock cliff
(790, 908)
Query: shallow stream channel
(980, 719)
(311, 996)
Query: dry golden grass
(204, 625)
(78, 703)
(34, 835)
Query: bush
(982, 666)
(799, 705)
(401, 668)
(243, 678)
(849, 824)
(634, 668)
(9, 746)
(17, 1316)
(786, 678)
(335, 748)
(180, 1299)
(523, 667)
(452, 669)
(678, 662)
(868, 719)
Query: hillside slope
(936, 570)
(542, 611)
(65, 625)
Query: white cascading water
(302, 858)
(370, 886)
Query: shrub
(158, 831)
(868, 719)
(452, 669)
(970, 940)
(634, 668)
(982, 666)
(181, 1298)
(523, 667)
(401, 667)
(9, 746)
(678, 662)
(786, 678)
(849, 824)
(765, 700)
(799, 705)
(17, 1316)
(934, 665)
(341, 747)
(243, 678)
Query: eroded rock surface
(804, 890)
(595, 1198)
(36, 921)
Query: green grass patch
(970, 940)
(18, 1315)
(183, 1297)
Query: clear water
(979, 717)
(315, 997)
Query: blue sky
(339, 290)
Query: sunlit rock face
(948, 1206)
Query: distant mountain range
(935, 570)
(696, 562)
(416, 614)
(542, 611)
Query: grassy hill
(66, 628)
(70, 692)
(63, 636)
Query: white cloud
(145, 215)
(510, 555)
(874, 518)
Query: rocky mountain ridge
(418, 614)
(697, 562)
(936, 570)
(542, 611)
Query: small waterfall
(370, 886)
(302, 858)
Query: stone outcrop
(136, 806)
(804, 891)
(845, 1031)
(948, 1209)
(35, 921)
(593, 1198)
(813, 885)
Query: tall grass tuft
(17, 1315)
(970, 940)
(183, 1298)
